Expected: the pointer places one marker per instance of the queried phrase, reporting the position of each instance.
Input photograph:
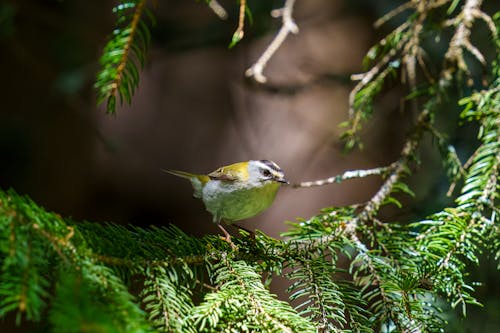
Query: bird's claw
(227, 238)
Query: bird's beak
(282, 180)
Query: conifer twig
(461, 38)
(400, 166)
(115, 85)
(396, 11)
(412, 50)
(462, 171)
(364, 79)
(240, 30)
(256, 303)
(288, 26)
(57, 243)
(164, 311)
(116, 261)
(376, 278)
(398, 169)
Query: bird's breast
(230, 202)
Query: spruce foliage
(349, 271)
(124, 54)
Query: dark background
(195, 111)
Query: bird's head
(265, 171)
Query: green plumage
(237, 191)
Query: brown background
(194, 111)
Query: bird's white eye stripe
(273, 167)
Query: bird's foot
(227, 237)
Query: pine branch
(101, 299)
(462, 232)
(320, 296)
(25, 255)
(241, 303)
(167, 296)
(481, 185)
(402, 47)
(400, 168)
(366, 269)
(397, 274)
(39, 242)
(123, 55)
(393, 180)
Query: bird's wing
(221, 174)
(231, 173)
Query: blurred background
(195, 111)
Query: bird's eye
(266, 173)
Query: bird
(237, 191)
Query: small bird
(237, 191)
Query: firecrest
(237, 191)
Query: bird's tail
(198, 181)
(203, 179)
(181, 174)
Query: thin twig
(393, 13)
(159, 297)
(367, 77)
(451, 189)
(168, 261)
(371, 208)
(489, 191)
(412, 49)
(288, 26)
(240, 30)
(363, 251)
(400, 168)
(461, 38)
(317, 294)
(257, 304)
(59, 244)
(440, 137)
(489, 22)
(217, 8)
(346, 176)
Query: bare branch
(217, 8)
(346, 176)
(475, 52)
(461, 38)
(398, 10)
(412, 50)
(288, 26)
(489, 22)
(238, 34)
